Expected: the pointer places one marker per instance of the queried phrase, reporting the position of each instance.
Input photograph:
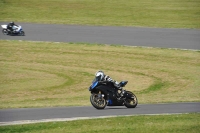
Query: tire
(5, 32)
(97, 102)
(131, 103)
(22, 33)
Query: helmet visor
(98, 78)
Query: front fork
(100, 95)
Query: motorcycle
(105, 94)
(17, 30)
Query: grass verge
(45, 74)
(182, 123)
(146, 13)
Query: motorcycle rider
(10, 26)
(105, 78)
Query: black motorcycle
(106, 94)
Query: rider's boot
(120, 94)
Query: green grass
(184, 123)
(44, 74)
(50, 74)
(145, 13)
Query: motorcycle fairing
(104, 90)
(110, 94)
(4, 26)
(93, 85)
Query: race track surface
(150, 37)
(24, 115)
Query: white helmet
(99, 75)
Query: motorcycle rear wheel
(97, 102)
(131, 103)
(5, 32)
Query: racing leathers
(10, 26)
(100, 76)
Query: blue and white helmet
(99, 75)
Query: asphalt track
(149, 37)
(132, 36)
(33, 115)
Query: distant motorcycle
(17, 30)
(105, 94)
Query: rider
(102, 77)
(10, 26)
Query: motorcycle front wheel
(5, 32)
(22, 33)
(131, 102)
(97, 101)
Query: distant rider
(10, 26)
(102, 77)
